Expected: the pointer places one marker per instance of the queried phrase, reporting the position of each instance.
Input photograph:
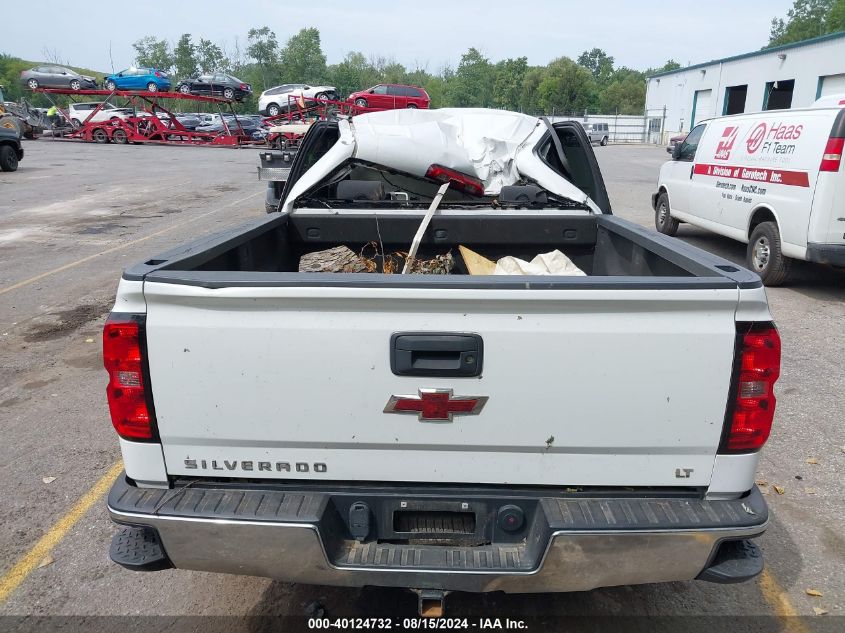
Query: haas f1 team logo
(755, 139)
(726, 143)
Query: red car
(391, 96)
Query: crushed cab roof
(479, 142)
(495, 146)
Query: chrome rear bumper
(609, 542)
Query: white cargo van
(773, 180)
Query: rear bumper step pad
(565, 512)
(139, 549)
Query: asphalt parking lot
(75, 215)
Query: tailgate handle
(436, 354)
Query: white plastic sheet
(552, 263)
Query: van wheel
(603, 141)
(764, 255)
(663, 220)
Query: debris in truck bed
(341, 259)
(410, 260)
(392, 263)
(439, 265)
(477, 264)
(552, 263)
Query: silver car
(48, 76)
(597, 132)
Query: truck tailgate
(593, 387)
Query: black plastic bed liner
(614, 253)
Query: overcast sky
(431, 33)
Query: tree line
(807, 19)
(591, 83)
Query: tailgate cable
(173, 494)
(415, 245)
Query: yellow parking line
(12, 579)
(26, 282)
(778, 599)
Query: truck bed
(608, 249)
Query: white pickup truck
(449, 432)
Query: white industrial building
(789, 76)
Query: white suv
(597, 132)
(79, 112)
(276, 100)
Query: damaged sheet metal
(479, 142)
(496, 146)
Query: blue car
(148, 79)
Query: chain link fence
(649, 127)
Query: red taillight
(158, 74)
(123, 360)
(832, 157)
(244, 86)
(458, 180)
(750, 418)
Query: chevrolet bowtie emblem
(436, 405)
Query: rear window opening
(577, 170)
(363, 185)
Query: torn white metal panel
(339, 153)
(530, 165)
(496, 146)
(479, 142)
